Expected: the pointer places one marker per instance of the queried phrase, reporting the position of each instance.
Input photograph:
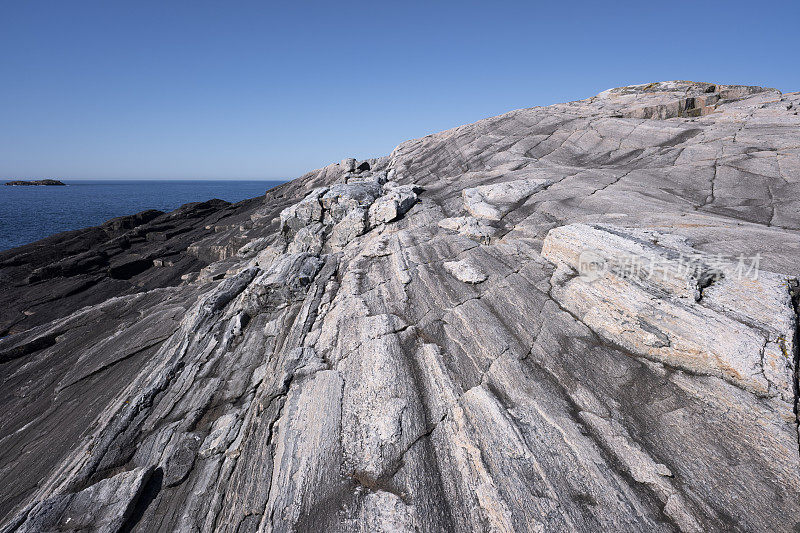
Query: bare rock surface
(465, 271)
(579, 317)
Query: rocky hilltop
(580, 317)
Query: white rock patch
(465, 271)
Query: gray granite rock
(465, 271)
(493, 201)
(104, 506)
(580, 317)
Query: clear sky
(252, 90)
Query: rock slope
(578, 317)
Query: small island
(36, 182)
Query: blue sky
(252, 90)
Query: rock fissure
(794, 291)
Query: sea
(30, 213)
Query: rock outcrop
(578, 317)
(36, 182)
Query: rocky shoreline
(578, 317)
(47, 182)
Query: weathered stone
(104, 506)
(465, 271)
(493, 201)
(340, 355)
(253, 247)
(471, 227)
(348, 164)
(180, 460)
(396, 200)
(644, 299)
(351, 226)
(308, 239)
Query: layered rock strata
(578, 317)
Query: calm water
(28, 214)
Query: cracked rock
(491, 202)
(579, 317)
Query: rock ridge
(565, 318)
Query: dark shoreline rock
(55, 276)
(47, 182)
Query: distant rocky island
(36, 182)
(580, 317)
